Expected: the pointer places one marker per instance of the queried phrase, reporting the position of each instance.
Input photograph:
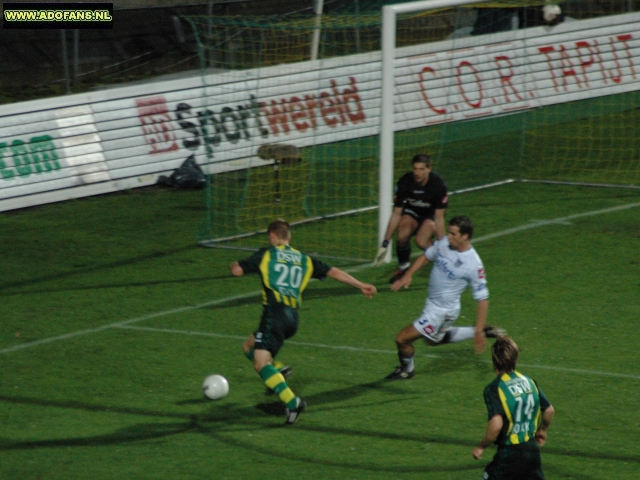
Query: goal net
(313, 118)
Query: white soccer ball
(550, 12)
(215, 387)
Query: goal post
(389, 18)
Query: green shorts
(520, 462)
(278, 323)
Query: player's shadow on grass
(462, 358)
(221, 415)
(350, 392)
(114, 285)
(82, 269)
(339, 395)
(90, 407)
(257, 447)
(136, 433)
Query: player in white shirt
(456, 266)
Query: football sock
(459, 334)
(275, 381)
(404, 254)
(249, 354)
(406, 362)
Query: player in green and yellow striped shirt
(519, 417)
(285, 273)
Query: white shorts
(434, 321)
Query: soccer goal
(313, 119)
(519, 91)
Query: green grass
(117, 402)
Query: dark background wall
(148, 39)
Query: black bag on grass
(188, 175)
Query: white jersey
(452, 272)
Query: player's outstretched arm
(405, 280)
(367, 289)
(236, 269)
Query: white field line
(561, 220)
(372, 350)
(130, 321)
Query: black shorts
(278, 323)
(417, 217)
(521, 462)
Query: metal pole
(315, 40)
(357, 9)
(386, 124)
(65, 60)
(210, 55)
(76, 48)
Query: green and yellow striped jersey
(285, 273)
(520, 402)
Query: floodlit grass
(131, 316)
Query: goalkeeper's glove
(382, 253)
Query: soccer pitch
(113, 317)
